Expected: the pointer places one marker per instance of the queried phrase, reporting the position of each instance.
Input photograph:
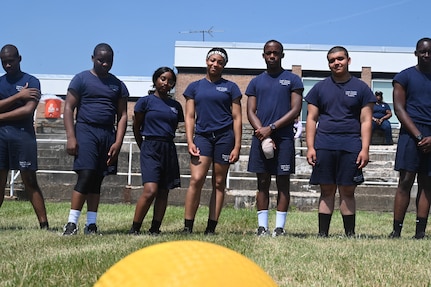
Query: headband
(224, 56)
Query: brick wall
(184, 79)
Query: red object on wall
(52, 109)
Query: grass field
(32, 257)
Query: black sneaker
(134, 232)
(262, 231)
(154, 232)
(394, 234)
(186, 230)
(44, 225)
(278, 232)
(322, 235)
(90, 229)
(209, 232)
(70, 229)
(420, 235)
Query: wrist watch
(419, 137)
(272, 126)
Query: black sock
(136, 226)
(398, 226)
(349, 222)
(324, 222)
(211, 225)
(188, 223)
(44, 225)
(155, 226)
(421, 224)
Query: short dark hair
(10, 49)
(426, 39)
(273, 41)
(103, 47)
(161, 71)
(338, 49)
(378, 93)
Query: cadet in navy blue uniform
(156, 119)
(274, 102)
(381, 115)
(213, 129)
(19, 96)
(412, 106)
(100, 101)
(338, 147)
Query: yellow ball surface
(185, 263)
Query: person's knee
(88, 182)
(263, 181)
(30, 181)
(220, 183)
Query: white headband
(224, 56)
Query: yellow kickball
(185, 263)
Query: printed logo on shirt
(115, 88)
(174, 110)
(19, 88)
(24, 164)
(221, 89)
(284, 82)
(285, 167)
(225, 157)
(351, 94)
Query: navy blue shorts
(94, 143)
(283, 162)
(18, 148)
(409, 157)
(336, 167)
(217, 145)
(159, 163)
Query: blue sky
(58, 37)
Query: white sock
(262, 218)
(280, 219)
(91, 217)
(74, 215)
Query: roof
(309, 57)
(58, 84)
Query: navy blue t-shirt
(273, 97)
(418, 94)
(379, 111)
(161, 116)
(98, 97)
(339, 104)
(213, 102)
(10, 86)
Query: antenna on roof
(209, 32)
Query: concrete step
(237, 198)
(57, 181)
